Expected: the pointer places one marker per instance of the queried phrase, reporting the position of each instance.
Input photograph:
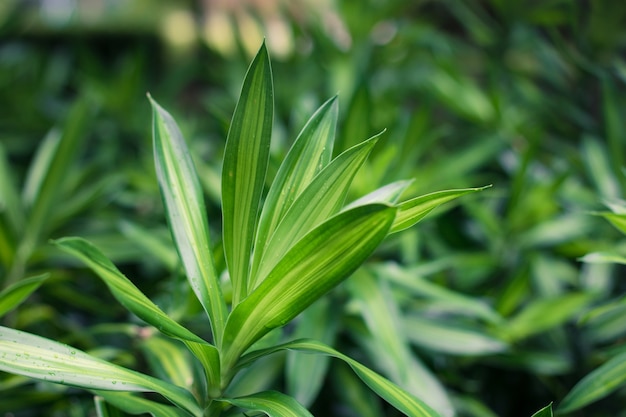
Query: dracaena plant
(283, 250)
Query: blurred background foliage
(492, 307)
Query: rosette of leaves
(284, 250)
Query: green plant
(282, 256)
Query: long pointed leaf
(394, 395)
(310, 153)
(311, 268)
(123, 289)
(412, 211)
(321, 199)
(245, 165)
(14, 294)
(596, 385)
(186, 214)
(271, 403)
(36, 357)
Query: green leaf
(323, 197)
(45, 195)
(36, 357)
(412, 211)
(394, 395)
(311, 268)
(388, 343)
(544, 412)
(596, 385)
(245, 165)
(603, 258)
(152, 243)
(451, 339)
(271, 403)
(133, 404)
(123, 289)
(13, 295)
(310, 153)
(543, 314)
(184, 204)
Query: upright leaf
(323, 197)
(310, 153)
(36, 357)
(186, 214)
(245, 165)
(313, 266)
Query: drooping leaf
(412, 211)
(14, 294)
(596, 385)
(323, 197)
(270, 403)
(393, 394)
(245, 165)
(36, 357)
(184, 204)
(133, 404)
(313, 266)
(616, 219)
(310, 153)
(123, 289)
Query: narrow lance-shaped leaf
(412, 211)
(544, 412)
(598, 384)
(36, 357)
(184, 204)
(310, 153)
(323, 197)
(14, 294)
(313, 266)
(271, 403)
(387, 390)
(245, 164)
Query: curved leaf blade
(186, 213)
(245, 164)
(311, 268)
(412, 211)
(596, 385)
(271, 403)
(310, 153)
(124, 290)
(15, 294)
(36, 357)
(387, 390)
